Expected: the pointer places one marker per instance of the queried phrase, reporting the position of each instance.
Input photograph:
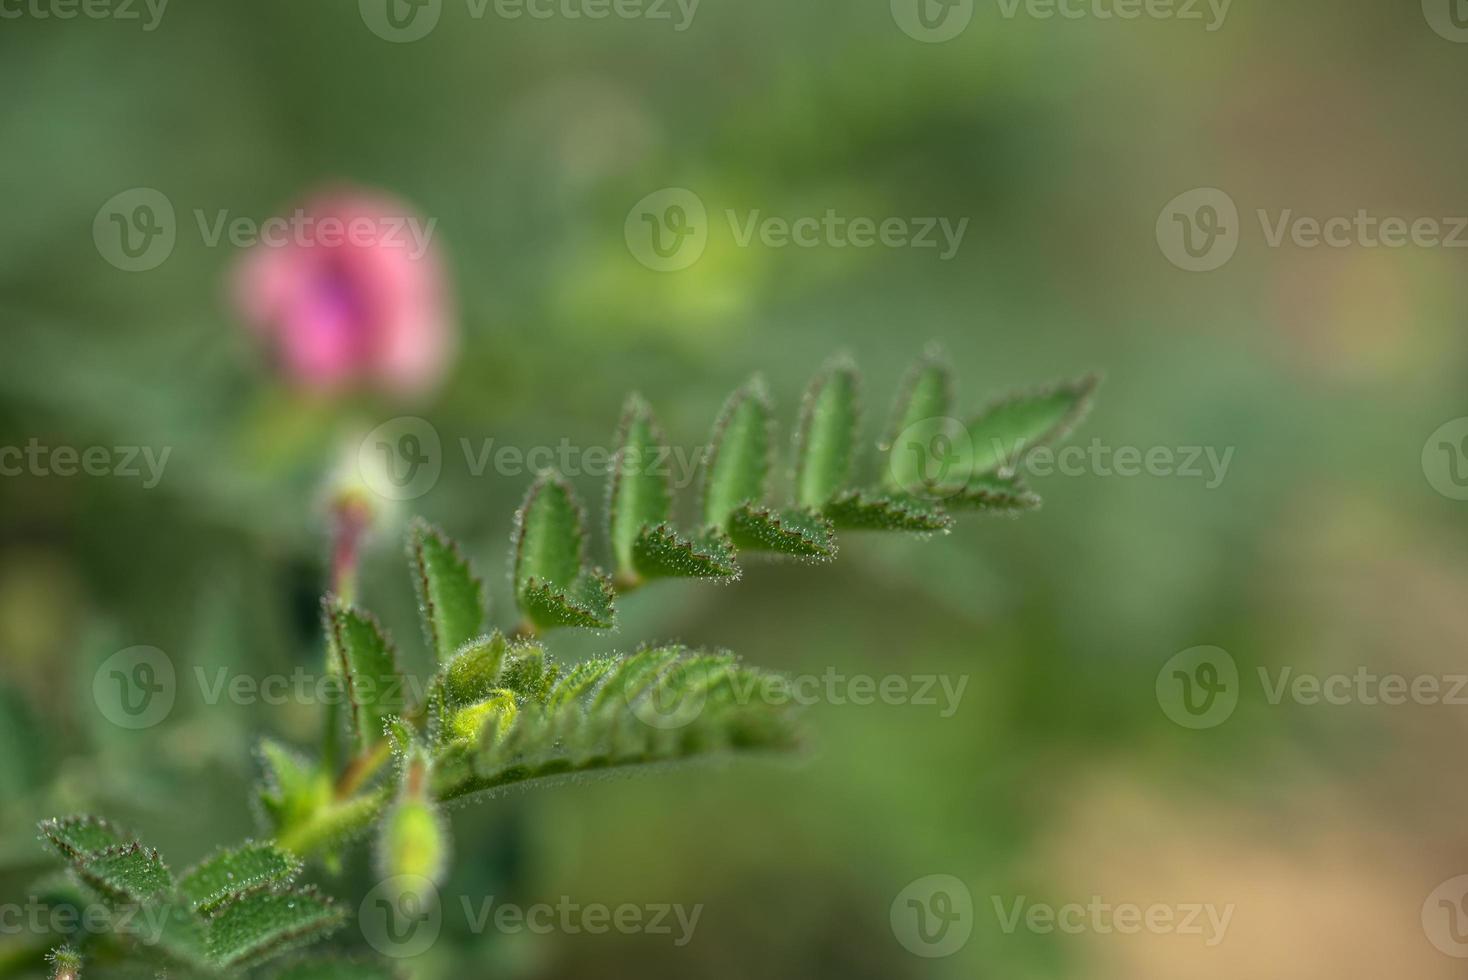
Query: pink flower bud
(349, 291)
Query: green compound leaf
(291, 788)
(497, 710)
(553, 581)
(374, 688)
(299, 801)
(662, 552)
(579, 681)
(825, 440)
(231, 873)
(550, 542)
(76, 836)
(926, 394)
(529, 674)
(796, 533)
(126, 872)
(1012, 426)
(334, 823)
(337, 968)
(450, 597)
(266, 923)
(177, 932)
(475, 669)
(860, 510)
(659, 705)
(995, 494)
(639, 496)
(738, 466)
(586, 602)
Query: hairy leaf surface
(639, 497)
(374, 688)
(555, 584)
(825, 439)
(926, 395)
(269, 922)
(738, 466)
(796, 533)
(661, 704)
(662, 552)
(1014, 425)
(233, 872)
(860, 510)
(450, 597)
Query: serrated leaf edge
(417, 529)
(772, 516)
(675, 539)
(333, 606)
(65, 851)
(889, 503)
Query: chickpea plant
(501, 710)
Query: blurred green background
(1325, 548)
